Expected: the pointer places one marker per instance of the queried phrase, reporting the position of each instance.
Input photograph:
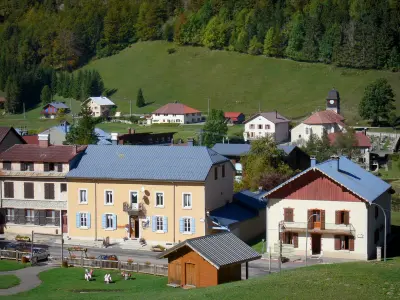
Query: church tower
(333, 101)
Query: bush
(64, 264)
(171, 50)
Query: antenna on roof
(259, 106)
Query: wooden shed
(209, 260)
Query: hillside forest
(39, 37)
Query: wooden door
(175, 275)
(190, 270)
(315, 243)
(317, 219)
(64, 221)
(136, 226)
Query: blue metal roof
(286, 148)
(58, 105)
(232, 213)
(350, 175)
(250, 199)
(232, 149)
(146, 163)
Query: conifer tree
(140, 102)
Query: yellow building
(158, 193)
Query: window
(63, 187)
(260, 126)
(216, 173)
(59, 167)
(159, 223)
(174, 115)
(28, 190)
(166, 115)
(344, 242)
(342, 217)
(193, 114)
(108, 198)
(267, 127)
(6, 165)
(83, 220)
(159, 199)
(50, 217)
(376, 212)
(376, 236)
(288, 214)
(9, 189)
(109, 218)
(27, 166)
(251, 126)
(10, 216)
(49, 191)
(251, 134)
(288, 238)
(49, 167)
(187, 225)
(134, 198)
(83, 197)
(187, 200)
(223, 171)
(29, 215)
(307, 131)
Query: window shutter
(165, 224)
(46, 167)
(346, 217)
(322, 219)
(88, 220)
(288, 214)
(310, 222)
(103, 221)
(36, 218)
(337, 242)
(57, 218)
(351, 243)
(46, 191)
(337, 217)
(9, 189)
(22, 216)
(78, 220)
(42, 217)
(51, 190)
(28, 190)
(181, 225)
(115, 222)
(295, 240)
(285, 216)
(153, 223)
(59, 167)
(193, 225)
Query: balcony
(133, 209)
(339, 229)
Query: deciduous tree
(215, 128)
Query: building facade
(34, 188)
(100, 106)
(337, 201)
(161, 195)
(176, 113)
(9, 137)
(267, 124)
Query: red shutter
(351, 243)
(288, 214)
(310, 222)
(285, 217)
(337, 216)
(337, 242)
(322, 219)
(295, 240)
(346, 217)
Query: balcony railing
(323, 228)
(133, 209)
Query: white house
(100, 106)
(176, 113)
(337, 201)
(268, 123)
(317, 123)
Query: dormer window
(27, 166)
(52, 167)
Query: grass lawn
(10, 265)
(363, 280)
(232, 81)
(7, 281)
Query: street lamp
(308, 220)
(384, 238)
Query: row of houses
(166, 195)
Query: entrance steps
(132, 245)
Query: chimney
(190, 142)
(114, 138)
(43, 140)
(335, 160)
(313, 161)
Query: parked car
(40, 253)
(108, 257)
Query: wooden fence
(146, 268)
(12, 255)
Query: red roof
(324, 117)
(362, 139)
(232, 115)
(176, 109)
(35, 153)
(31, 139)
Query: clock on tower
(333, 101)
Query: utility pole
(130, 107)
(259, 106)
(208, 110)
(23, 104)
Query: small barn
(50, 110)
(208, 260)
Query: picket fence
(12, 254)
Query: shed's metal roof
(232, 213)
(250, 199)
(146, 163)
(232, 149)
(220, 249)
(348, 174)
(58, 105)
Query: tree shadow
(149, 103)
(110, 92)
(393, 247)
